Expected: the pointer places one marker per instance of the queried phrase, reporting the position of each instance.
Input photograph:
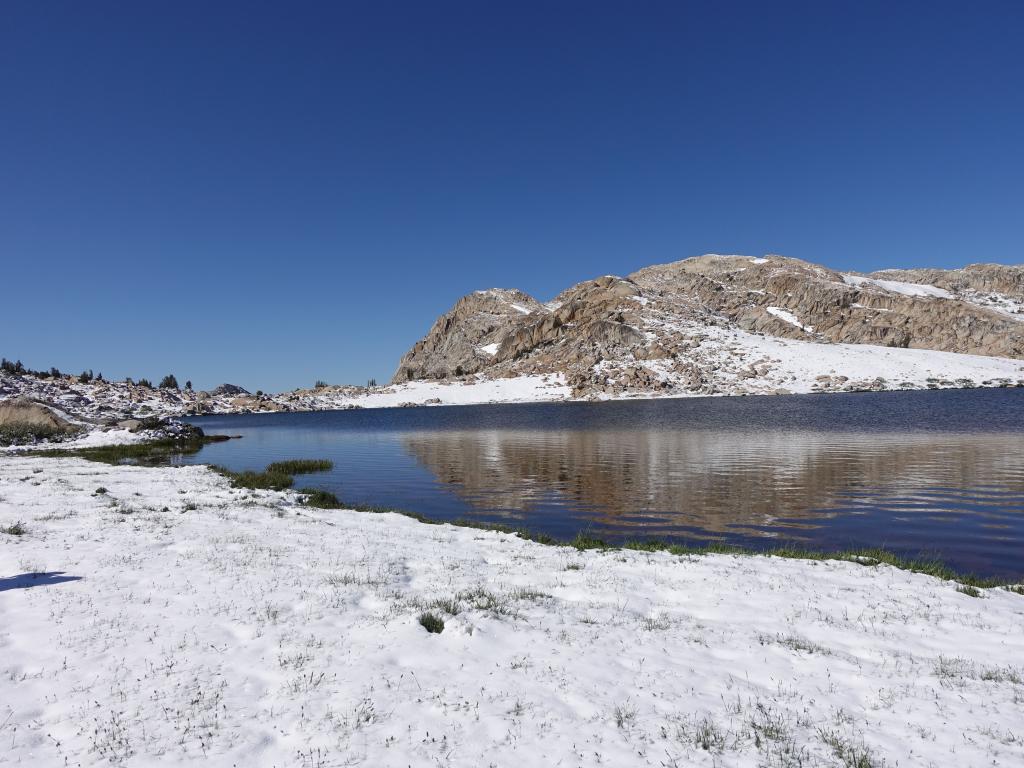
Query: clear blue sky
(269, 194)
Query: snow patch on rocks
(896, 286)
(788, 317)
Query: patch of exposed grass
(314, 497)
(794, 643)
(432, 623)
(585, 541)
(484, 600)
(278, 477)
(300, 466)
(951, 669)
(15, 529)
(153, 453)
(704, 733)
(20, 433)
(849, 753)
(624, 714)
(954, 670)
(967, 589)
(655, 623)
(449, 605)
(267, 481)
(769, 725)
(1001, 675)
(528, 593)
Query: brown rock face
(603, 334)
(456, 343)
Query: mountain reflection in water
(659, 483)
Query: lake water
(917, 472)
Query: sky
(273, 193)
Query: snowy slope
(182, 623)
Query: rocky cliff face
(465, 339)
(667, 327)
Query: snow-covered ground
(520, 389)
(796, 365)
(171, 620)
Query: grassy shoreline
(279, 476)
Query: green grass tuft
(153, 453)
(300, 466)
(585, 541)
(848, 752)
(432, 623)
(17, 529)
(279, 476)
(314, 497)
(267, 481)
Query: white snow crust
(896, 286)
(489, 349)
(788, 317)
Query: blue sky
(270, 194)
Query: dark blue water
(940, 473)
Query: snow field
(233, 627)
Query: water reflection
(780, 483)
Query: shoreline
(154, 454)
(94, 434)
(192, 620)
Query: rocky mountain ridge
(666, 328)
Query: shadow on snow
(26, 580)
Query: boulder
(24, 421)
